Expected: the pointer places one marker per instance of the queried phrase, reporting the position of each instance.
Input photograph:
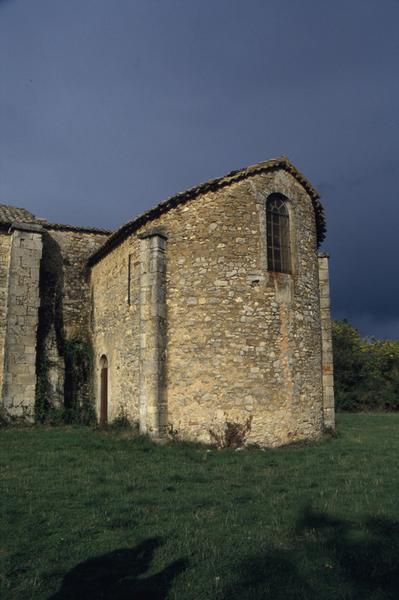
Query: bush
(122, 422)
(366, 370)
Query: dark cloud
(107, 109)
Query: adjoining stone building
(211, 308)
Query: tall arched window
(278, 234)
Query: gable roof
(82, 228)
(12, 214)
(281, 162)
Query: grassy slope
(98, 515)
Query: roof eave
(233, 177)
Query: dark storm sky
(109, 107)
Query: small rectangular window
(129, 279)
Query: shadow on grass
(120, 575)
(328, 558)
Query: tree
(366, 370)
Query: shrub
(122, 421)
(366, 370)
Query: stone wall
(327, 348)
(242, 344)
(115, 327)
(152, 332)
(19, 375)
(5, 246)
(65, 309)
(44, 304)
(70, 248)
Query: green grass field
(96, 514)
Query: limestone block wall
(327, 349)
(65, 304)
(19, 369)
(5, 246)
(115, 327)
(241, 342)
(152, 303)
(73, 247)
(44, 301)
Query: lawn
(97, 514)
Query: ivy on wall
(79, 401)
(74, 360)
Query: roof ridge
(87, 228)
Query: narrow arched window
(278, 234)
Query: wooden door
(104, 396)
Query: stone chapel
(210, 309)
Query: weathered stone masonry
(44, 302)
(65, 309)
(240, 341)
(153, 417)
(194, 329)
(19, 366)
(326, 340)
(5, 246)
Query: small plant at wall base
(232, 434)
(122, 422)
(173, 433)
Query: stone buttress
(326, 343)
(153, 419)
(22, 304)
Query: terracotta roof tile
(61, 227)
(12, 214)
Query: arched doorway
(104, 390)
